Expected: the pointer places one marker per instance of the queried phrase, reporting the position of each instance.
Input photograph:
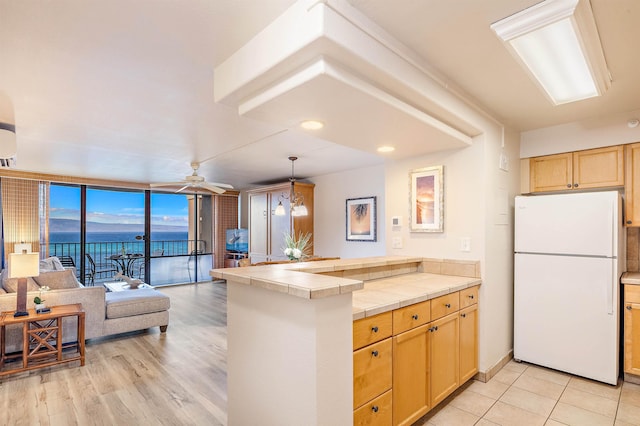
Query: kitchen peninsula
(290, 329)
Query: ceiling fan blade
(212, 188)
(183, 188)
(221, 185)
(156, 185)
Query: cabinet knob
(374, 329)
(463, 315)
(568, 185)
(432, 329)
(575, 185)
(375, 408)
(471, 296)
(629, 222)
(374, 353)
(629, 307)
(415, 316)
(447, 305)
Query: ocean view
(99, 237)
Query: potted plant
(297, 248)
(39, 301)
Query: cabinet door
(597, 168)
(632, 185)
(258, 222)
(444, 348)
(410, 375)
(631, 326)
(551, 172)
(631, 342)
(279, 226)
(468, 343)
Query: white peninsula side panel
(290, 359)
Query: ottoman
(135, 310)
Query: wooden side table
(42, 338)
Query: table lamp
(21, 266)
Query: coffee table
(122, 286)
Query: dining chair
(92, 269)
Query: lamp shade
(23, 265)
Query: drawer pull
(447, 305)
(471, 296)
(375, 408)
(374, 353)
(575, 185)
(415, 316)
(463, 315)
(568, 185)
(628, 307)
(432, 329)
(374, 329)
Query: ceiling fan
(195, 181)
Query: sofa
(106, 313)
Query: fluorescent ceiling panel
(558, 43)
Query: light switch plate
(396, 242)
(396, 220)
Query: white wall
(330, 195)
(594, 133)
(478, 199)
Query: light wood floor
(141, 378)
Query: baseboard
(632, 378)
(485, 376)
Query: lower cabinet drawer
(372, 371)
(632, 293)
(375, 413)
(444, 305)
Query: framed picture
(361, 219)
(426, 199)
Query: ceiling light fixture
(386, 148)
(633, 123)
(296, 200)
(312, 125)
(557, 41)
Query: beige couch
(105, 313)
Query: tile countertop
(303, 279)
(630, 278)
(386, 294)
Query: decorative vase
(40, 306)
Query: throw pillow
(58, 279)
(11, 285)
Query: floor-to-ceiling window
(162, 238)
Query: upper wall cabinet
(632, 185)
(592, 168)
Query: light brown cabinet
(266, 229)
(631, 326)
(434, 351)
(632, 185)
(591, 168)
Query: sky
(106, 206)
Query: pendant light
(296, 200)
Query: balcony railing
(101, 252)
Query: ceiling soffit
(326, 61)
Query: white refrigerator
(569, 255)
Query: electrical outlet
(396, 242)
(465, 244)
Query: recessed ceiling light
(312, 125)
(386, 148)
